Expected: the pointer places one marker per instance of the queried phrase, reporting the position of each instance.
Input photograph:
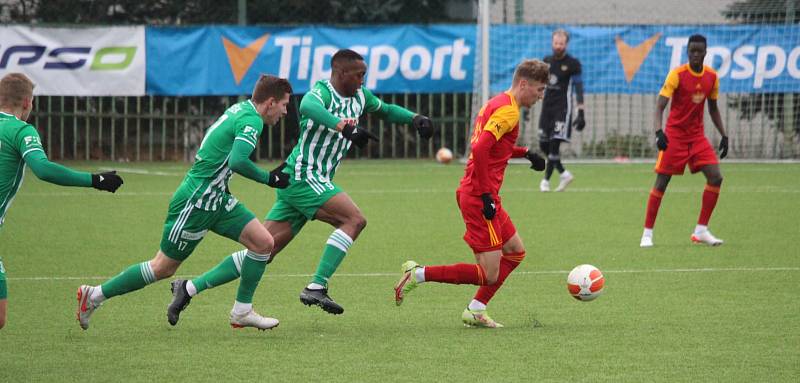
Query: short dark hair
(14, 89)
(345, 55)
(698, 39)
(269, 86)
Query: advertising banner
(228, 60)
(76, 61)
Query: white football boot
(544, 186)
(706, 237)
(647, 241)
(253, 319)
(565, 179)
(85, 305)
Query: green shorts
(186, 225)
(299, 202)
(3, 287)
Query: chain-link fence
(760, 124)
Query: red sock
(459, 273)
(508, 263)
(653, 203)
(710, 196)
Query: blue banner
(228, 60)
(636, 59)
(411, 58)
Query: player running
(683, 140)
(203, 202)
(555, 122)
(329, 115)
(20, 145)
(490, 233)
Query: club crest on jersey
(564, 68)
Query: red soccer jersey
(500, 116)
(688, 91)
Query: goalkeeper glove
(277, 178)
(108, 181)
(661, 140)
(359, 136)
(537, 162)
(489, 209)
(423, 125)
(580, 122)
(723, 147)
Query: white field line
(540, 272)
(172, 171)
(733, 189)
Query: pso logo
(67, 58)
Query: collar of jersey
(693, 73)
(332, 89)
(513, 100)
(8, 114)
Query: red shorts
(483, 235)
(697, 152)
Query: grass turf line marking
(542, 272)
(760, 189)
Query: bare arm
(661, 104)
(716, 118)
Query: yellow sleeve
(715, 90)
(502, 121)
(670, 84)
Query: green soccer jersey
(320, 148)
(206, 184)
(17, 139)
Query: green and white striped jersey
(320, 148)
(17, 138)
(205, 185)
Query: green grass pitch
(675, 312)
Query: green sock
(253, 267)
(131, 279)
(335, 250)
(224, 272)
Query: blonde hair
(536, 70)
(14, 89)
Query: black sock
(558, 166)
(548, 171)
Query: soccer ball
(585, 282)
(444, 156)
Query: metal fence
(159, 128)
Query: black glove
(537, 162)
(359, 136)
(489, 209)
(580, 122)
(277, 178)
(423, 125)
(108, 181)
(723, 147)
(661, 140)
